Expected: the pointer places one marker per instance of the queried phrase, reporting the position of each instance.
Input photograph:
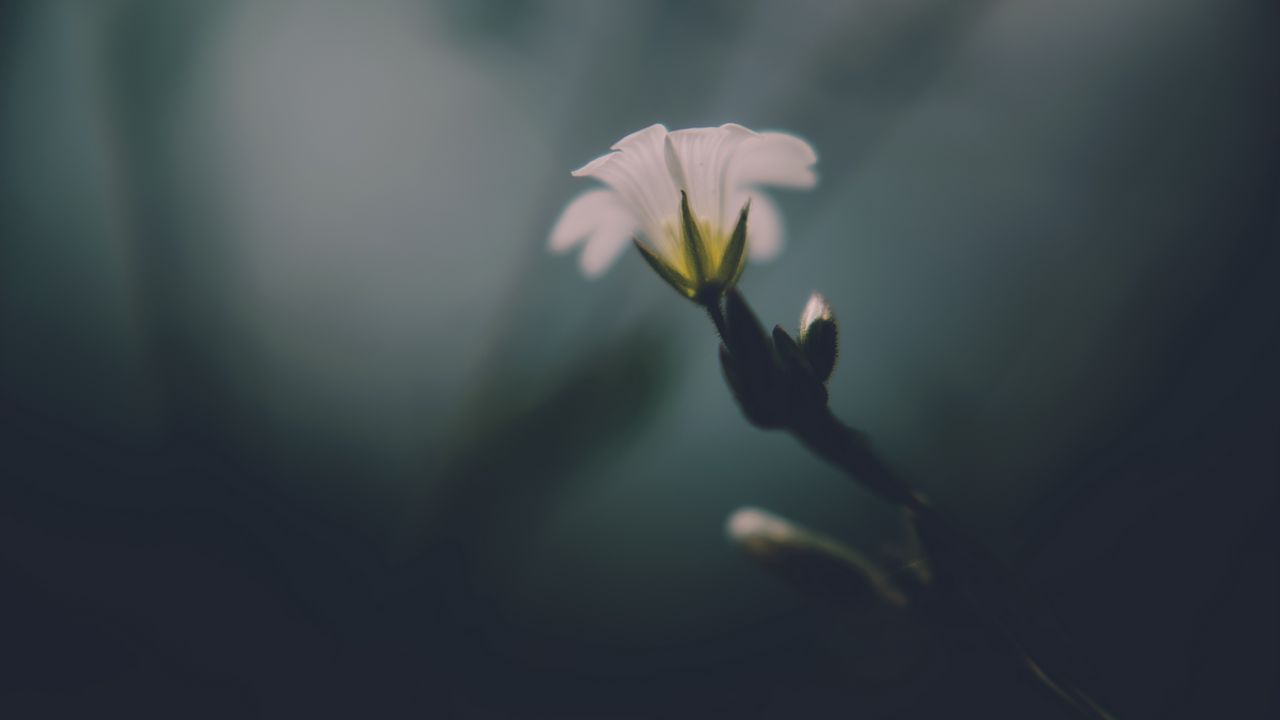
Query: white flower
(719, 169)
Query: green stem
(965, 571)
(964, 566)
(717, 317)
(849, 450)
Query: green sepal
(820, 342)
(733, 261)
(665, 271)
(819, 336)
(802, 383)
(694, 248)
(793, 360)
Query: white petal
(765, 232)
(718, 167)
(704, 158)
(816, 309)
(602, 252)
(749, 523)
(581, 217)
(642, 138)
(774, 158)
(603, 221)
(637, 171)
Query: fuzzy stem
(717, 317)
(849, 450)
(966, 571)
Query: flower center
(714, 242)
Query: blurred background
(298, 417)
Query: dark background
(298, 418)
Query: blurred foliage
(525, 435)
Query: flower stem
(717, 317)
(969, 573)
(849, 450)
(966, 574)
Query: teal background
(300, 417)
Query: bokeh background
(299, 418)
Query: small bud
(818, 336)
(803, 385)
(874, 631)
(794, 363)
(819, 565)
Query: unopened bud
(818, 336)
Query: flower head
(685, 197)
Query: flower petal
(599, 218)
(774, 158)
(602, 252)
(641, 139)
(765, 231)
(581, 217)
(717, 168)
(704, 157)
(637, 171)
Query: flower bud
(818, 336)
(822, 566)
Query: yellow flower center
(714, 242)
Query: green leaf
(665, 271)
